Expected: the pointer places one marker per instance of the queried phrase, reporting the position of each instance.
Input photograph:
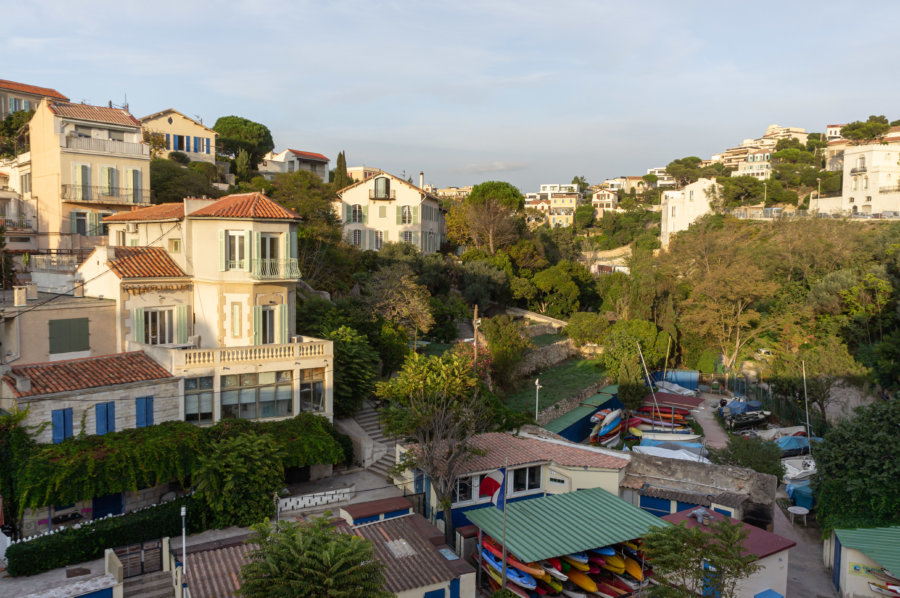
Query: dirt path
(807, 575)
(705, 416)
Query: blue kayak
(609, 427)
(604, 551)
(520, 578)
(581, 557)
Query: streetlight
(765, 192)
(537, 394)
(183, 542)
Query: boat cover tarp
(684, 455)
(679, 444)
(795, 443)
(738, 407)
(801, 494)
(773, 433)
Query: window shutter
(372, 240)
(100, 414)
(86, 182)
(93, 224)
(196, 141)
(293, 238)
(133, 243)
(73, 222)
(140, 412)
(137, 184)
(182, 324)
(346, 213)
(415, 214)
(416, 239)
(223, 263)
(283, 322)
(257, 325)
(67, 417)
(257, 248)
(138, 324)
(365, 214)
(149, 417)
(207, 145)
(58, 420)
(111, 416)
(248, 239)
(168, 144)
(399, 214)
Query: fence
(4, 544)
(293, 503)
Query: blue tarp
(795, 443)
(651, 442)
(802, 495)
(737, 407)
(689, 379)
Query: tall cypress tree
(341, 179)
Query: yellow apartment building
(182, 134)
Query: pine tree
(341, 178)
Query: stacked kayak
(608, 427)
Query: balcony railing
(106, 146)
(190, 358)
(18, 223)
(54, 263)
(101, 194)
(891, 189)
(858, 170)
(281, 269)
(373, 194)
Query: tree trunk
(448, 526)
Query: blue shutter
(67, 419)
(196, 139)
(207, 145)
(58, 419)
(149, 404)
(168, 145)
(100, 412)
(140, 411)
(111, 416)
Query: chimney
(421, 179)
(20, 296)
(23, 383)
(78, 289)
(31, 291)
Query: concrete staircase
(150, 585)
(367, 418)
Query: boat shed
(863, 558)
(561, 524)
(576, 425)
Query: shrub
(179, 157)
(586, 327)
(763, 456)
(508, 344)
(89, 541)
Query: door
(836, 565)
(111, 504)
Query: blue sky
(468, 91)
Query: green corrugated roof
(587, 407)
(881, 544)
(540, 528)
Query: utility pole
(475, 322)
(537, 394)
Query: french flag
(494, 485)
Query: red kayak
(666, 410)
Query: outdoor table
(795, 510)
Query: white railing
(55, 263)
(249, 354)
(317, 499)
(275, 268)
(107, 146)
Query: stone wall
(544, 357)
(562, 407)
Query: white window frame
(407, 236)
(356, 237)
(406, 215)
(529, 488)
(236, 250)
(268, 321)
(164, 320)
(357, 215)
(379, 239)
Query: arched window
(382, 188)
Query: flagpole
(503, 491)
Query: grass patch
(559, 382)
(436, 349)
(542, 340)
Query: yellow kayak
(633, 568)
(636, 431)
(582, 581)
(576, 565)
(551, 581)
(614, 563)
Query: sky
(470, 91)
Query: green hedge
(89, 542)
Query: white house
(291, 160)
(681, 208)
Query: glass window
(407, 236)
(463, 490)
(237, 253)
(174, 245)
(356, 214)
(357, 237)
(382, 188)
(527, 478)
(312, 390)
(117, 135)
(159, 326)
(379, 239)
(198, 400)
(406, 215)
(257, 396)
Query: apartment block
(15, 97)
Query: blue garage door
(656, 506)
(836, 565)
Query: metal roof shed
(881, 544)
(576, 424)
(560, 524)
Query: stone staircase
(367, 418)
(149, 585)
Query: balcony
(179, 358)
(19, 223)
(105, 195)
(275, 269)
(374, 194)
(106, 146)
(55, 263)
(891, 189)
(858, 170)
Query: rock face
(307, 291)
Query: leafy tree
(685, 170)
(763, 456)
(236, 134)
(741, 190)
(243, 165)
(827, 362)
(858, 465)
(650, 179)
(584, 216)
(873, 127)
(396, 296)
(557, 292)
(237, 478)
(341, 178)
(482, 284)
(207, 169)
(490, 215)
(155, 140)
(508, 345)
(441, 405)
(13, 139)
(581, 182)
(682, 557)
(586, 327)
(172, 182)
(355, 369)
(621, 346)
(447, 311)
(867, 299)
(310, 559)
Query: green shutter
(133, 243)
(223, 259)
(372, 239)
(248, 239)
(365, 214)
(137, 324)
(255, 253)
(399, 214)
(73, 223)
(415, 214)
(93, 224)
(293, 237)
(283, 322)
(346, 214)
(257, 325)
(182, 324)
(416, 239)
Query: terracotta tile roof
(758, 542)
(521, 450)
(378, 172)
(163, 211)
(156, 115)
(112, 116)
(214, 572)
(89, 372)
(309, 155)
(33, 89)
(422, 564)
(246, 205)
(144, 262)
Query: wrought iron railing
(274, 268)
(104, 194)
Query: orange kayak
(496, 549)
(582, 581)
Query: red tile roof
(89, 372)
(164, 211)
(758, 542)
(309, 155)
(246, 205)
(112, 116)
(33, 89)
(521, 450)
(144, 262)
